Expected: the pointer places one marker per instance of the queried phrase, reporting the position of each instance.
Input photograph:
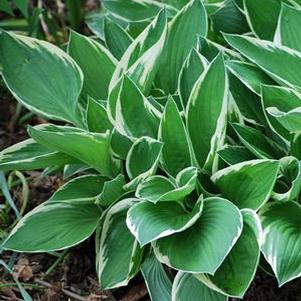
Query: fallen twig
(66, 292)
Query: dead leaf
(22, 270)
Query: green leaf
(142, 160)
(187, 287)
(257, 143)
(75, 13)
(276, 61)
(207, 113)
(90, 148)
(250, 75)
(95, 22)
(183, 29)
(28, 155)
(290, 169)
(290, 120)
(5, 7)
(248, 184)
(282, 242)
(284, 99)
(263, 17)
(41, 76)
(296, 146)
(157, 282)
(73, 169)
(156, 188)
(233, 154)
(211, 49)
(97, 117)
(96, 62)
(228, 18)
(192, 69)
(149, 222)
(248, 102)
(220, 222)
(136, 10)
(118, 254)
(120, 144)
(22, 5)
(117, 39)
(7, 195)
(80, 190)
(112, 191)
(176, 152)
(177, 3)
(238, 270)
(288, 33)
(234, 113)
(135, 116)
(53, 226)
(159, 188)
(141, 59)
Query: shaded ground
(71, 275)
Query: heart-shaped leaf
(238, 270)
(149, 222)
(248, 184)
(159, 188)
(282, 242)
(220, 221)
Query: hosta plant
(179, 139)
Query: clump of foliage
(183, 144)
